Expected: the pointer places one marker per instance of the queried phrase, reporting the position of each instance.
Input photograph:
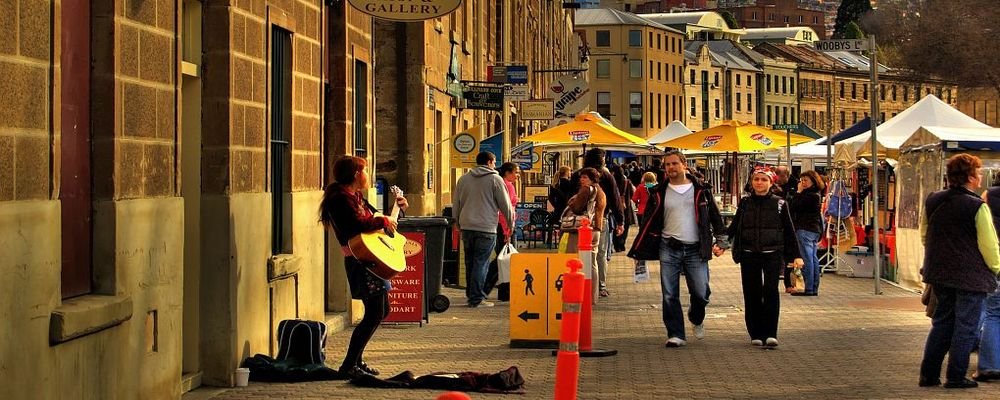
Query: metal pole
(873, 67)
(788, 148)
(506, 55)
(829, 131)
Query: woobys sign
(406, 10)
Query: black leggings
(376, 309)
(759, 273)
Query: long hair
(345, 172)
(816, 180)
(564, 172)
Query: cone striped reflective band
(568, 357)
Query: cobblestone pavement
(846, 343)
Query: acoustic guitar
(382, 248)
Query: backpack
(570, 221)
(839, 205)
(301, 341)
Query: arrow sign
(525, 315)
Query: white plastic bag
(641, 273)
(503, 262)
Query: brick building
(776, 13)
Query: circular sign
(412, 247)
(464, 143)
(406, 10)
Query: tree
(853, 31)
(850, 11)
(730, 19)
(951, 39)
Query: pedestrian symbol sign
(536, 298)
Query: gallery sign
(406, 10)
(482, 97)
(536, 110)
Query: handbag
(570, 221)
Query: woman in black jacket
(559, 193)
(763, 238)
(805, 207)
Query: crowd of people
(774, 232)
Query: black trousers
(493, 272)
(376, 309)
(759, 273)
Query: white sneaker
(676, 342)
(699, 331)
(771, 342)
(756, 342)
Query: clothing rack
(837, 228)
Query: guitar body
(381, 248)
(385, 251)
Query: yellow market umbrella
(588, 128)
(736, 136)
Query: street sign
(516, 92)
(536, 298)
(512, 74)
(482, 97)
(785, 127)
(464, 147)
(841, 45)
(538, 109)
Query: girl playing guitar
(344, 210)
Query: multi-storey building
(162, 165)
(636, 70)
(698, 25)
(419, 80)
(657, 6)
(780, 92)
(720, 84)
(776, 13)
(794, 35)
(981, 103)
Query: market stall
(921, 171)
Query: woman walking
(348, 214)
(763, 238)
(559, 192)
(805, 207)
(590, 201)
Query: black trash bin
(435, 230)
(452, 241)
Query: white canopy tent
(672, 131)
(929, 111)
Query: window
(672, 48)
(854, 91)
(739, 103)
(716, 80)
(805, 88)
(651, 40)
(864, 91)
(939, 90)
(791, 85)
(635, 38)
(795, 116)
(948, 95)
(749, 102)
(768, 83)
(281, 135)
(718, 109)
(776, 85)
(770, 16)
(635, 109)
(692, 76)
(635, 68)
(801, 19)
(769, 115)
(841, 89)
(753, 16)
(694, 109)
(603, 68)
(659, 115)
(893, 92)
(603, 39)
(604, 104)
(749, 80)
(738, 79)
(881, 118)
(652, 72)
(784, 85)
(881, 92)
(784, 115)
(854, 117)
(906, 93)
(786, 19)
(815, 20)
(652, 107)
(659, 41)
(822, 119)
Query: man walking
(480, 200)
(683, 230)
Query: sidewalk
(845, 343)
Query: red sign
(711, 141)
(406, 299)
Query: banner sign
(523, 156)
(536, 110)
(406, 10)
(493, 144)
(406, 299)
(570, 94)
(516, 92)
(512, 74)
(480, 97)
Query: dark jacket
(610, 187)
(951, 256)
(763, 224)
(558, 196)
(711, 230)
(805, 208)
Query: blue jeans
(810, 267)
(953, 331)
(478, 247)
(672, 262)
(989, 345)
